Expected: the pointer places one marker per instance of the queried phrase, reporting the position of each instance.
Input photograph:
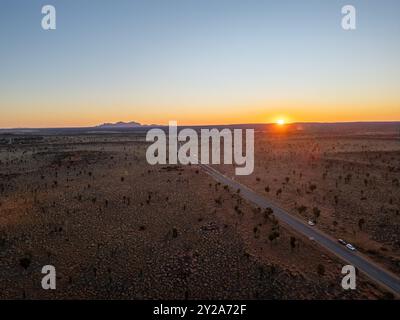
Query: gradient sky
(198, 61)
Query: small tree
(267, 213)
(302, 209)
(361, 222)
(292, 243)
(273, 235)
(316, 213)
(321, 270)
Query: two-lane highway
(373, 271)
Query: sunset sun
(280, 122)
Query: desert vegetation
(116, 227)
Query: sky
(198, 62)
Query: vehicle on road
(350, 247)
(341, 241)
(311, 223)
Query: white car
(311, 223)
(350, 247)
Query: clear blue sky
(195, 61)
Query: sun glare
(280, 122)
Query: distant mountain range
(120, 124)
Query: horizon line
(208, 125)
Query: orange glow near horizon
(278, 112)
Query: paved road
(356, 259)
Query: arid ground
(116, 227)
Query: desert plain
(115, 227)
